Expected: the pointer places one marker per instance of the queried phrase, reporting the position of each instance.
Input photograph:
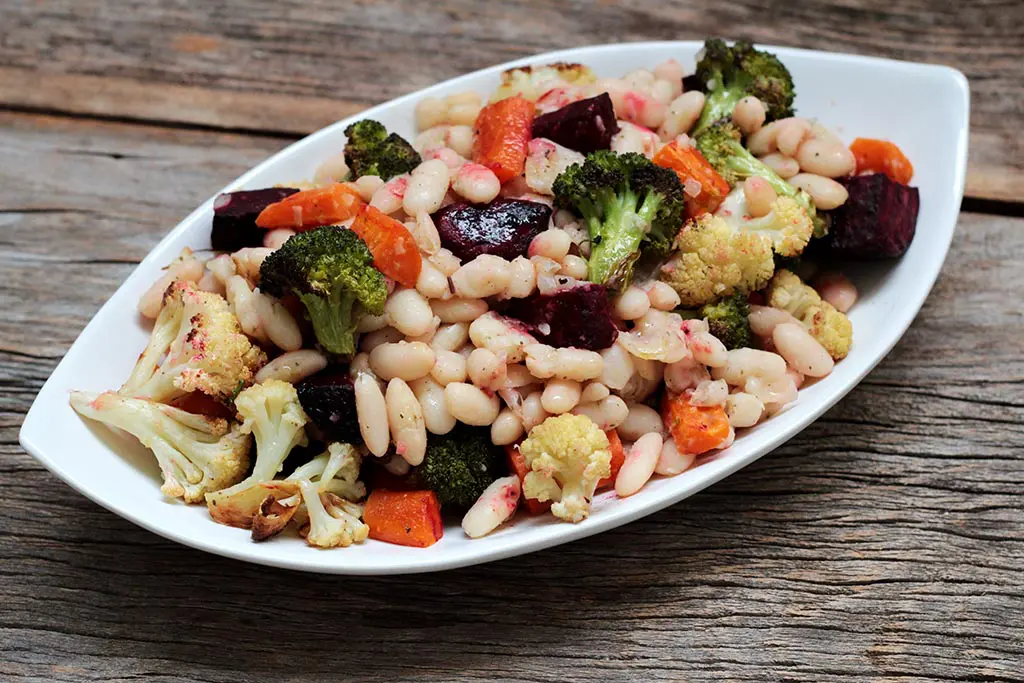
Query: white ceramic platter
(923, 108)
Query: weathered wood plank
(886, 542)
(294, 66)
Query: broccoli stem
(718, 105)
(616, 238)
(332, 320)
(746, 165)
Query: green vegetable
(731, 73)
(720, 145)
(330, 269)
(627, 202)
(727, 320)
(460, 465)
(371, 151)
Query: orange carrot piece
(517, 464)
(618, 458)
(411, 518)
(882, 156)
(393, 247)
(503, 131)
(689, 164)
(696, 429)
(312, 208)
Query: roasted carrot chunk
(618, 457)
(312, 208)
(517, 464)
(705, 188)
(503, 131)
(410, 518)
(882, 156)
(393, 247)
(696, 429)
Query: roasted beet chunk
(578, 316)
(504, 228)
(585, 126)
(234, 217)
(877, 221)
(330, 402)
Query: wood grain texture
(886, 542)
(291, 66)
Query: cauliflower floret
(533, 81)
(545, 160)
(335, 471)
(568, 455)
(272, 412)
(832, 329)
(333, 521)
(787, 225)
(712, 260)
(202, 346)
(197, 454)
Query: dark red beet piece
(330, 402)
(877, 221)
(504, 228)
(585, 126)
(578, 316)
(234, 217)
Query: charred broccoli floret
(460, 465)
(731, 73)
(330, 269)
(370, 150)
(197, 454)
(197, 344)
(628, 203)
(727, 320)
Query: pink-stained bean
(801, 350)
(186, 268)
(388, 198)
(705, 347)
(275, 239)
(476, 183)
(634, 138)
(759, 196)
(293, 367)
(496, 504)
(641, 419)
(639, 465)
(452, 159)
(371, 411)
(545, 160)
(785, 167)
(749, 115)
(500, 336)
(643, 110)
(405, 420)
(837, 289)
(471, 405)
(506, 428)
(671, 462)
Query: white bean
(710, 393)
(681, 114)
(460, 139)
(446, 262)
(533, 411)
(607, 414)
(791, 134)
(425, 233)
(471, 405)
(632, 304)
(560, 396)
(773, 393)
(837, 290)
(371, 411)
(277, 322)
(671, 462)
(763, 319)
(486, 369)
(450, 337)
(685, 374)
(293, 367)
(385, 335)
(484, 276)
(187, 269)
(749, 115)
(476, 183)
(640, 420)
(743, 364)
(458, 309)
(618, 366)
(496, 504)
(333, 170)
(430, 394)
(639, 465)
(432, 283)
(522, 279)
(371, 323)
(785, 167)
(593, 392)
(449, 367)
(553, 243)
(275, 239)
(405, 420)
(506, 429)
(496, 334)
(366, 185)
(764, 141)
(671, 71)
(706, 348)
(575, 267)
(801, 350)
(427, 186)
(662, 296)
(577, 364)
(825, 193)
(463, 114)
(826, 158)
(759, 196)
(430, 112)
(222, 267)
(743, 409)
(405, 360)
(649, 369)
(408, 312)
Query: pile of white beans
(439, 355)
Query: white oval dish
(924, 108)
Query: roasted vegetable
(234, 217)
(393, 247)
(878, 220)
(727, 320)
(695, 429)
(370, 150)
(585, 126)
(504, 228)
(578, 316)
(501, 134)
(704, 188)
(882, 156)
(827, 325)
(531, 82)
(411, 518)
(330, 402)
(312, 208)
(460, 465)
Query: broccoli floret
(787, 225)
(713, 260)
(721, 146)
(460, 465)
(627, 202)
(197, 454)
(731, 73)
(197, 344)
(727, 320)
(330, 269)
(370, 150)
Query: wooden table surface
(886, 542)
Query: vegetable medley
(578, 285)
